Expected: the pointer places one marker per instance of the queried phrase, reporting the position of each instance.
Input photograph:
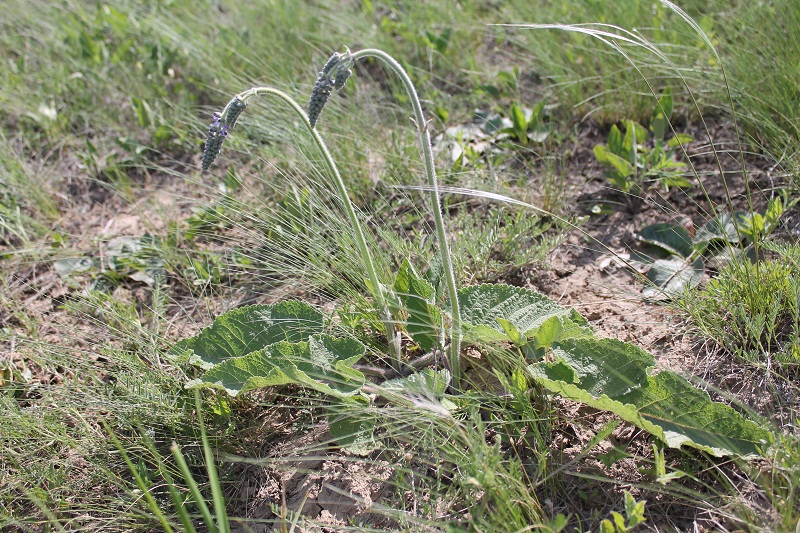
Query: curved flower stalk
(225, 121)
(334, 75)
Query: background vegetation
(114, 245)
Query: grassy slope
(112, 102)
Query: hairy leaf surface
(247, 329)
(323, 363)
(612, 375)
(494, 313)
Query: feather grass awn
(227, 119)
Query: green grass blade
(151, 502)
(213, 478)
(180, 507)
(194, 489)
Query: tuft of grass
(752, 310)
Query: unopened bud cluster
(223, 122)
(332, 77)
(216, 134)
(235, 109)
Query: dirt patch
(330, 488)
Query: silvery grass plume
(223, 122)
(332, 77)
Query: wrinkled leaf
(611, 375)
(482, 306)
(427, 382)
(323, 363)
(247, 329)
(605, 366)
(417, 297)
(671, 277)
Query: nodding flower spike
(332, 76)
(216, 134)
(319, 97)
(235, 109)
(223, 122)
(341, 77)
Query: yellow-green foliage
(752, 309)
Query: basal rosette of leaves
(286, 343)
(271, 345)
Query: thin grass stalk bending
(376, 288)
(433, 183)
(213, 477)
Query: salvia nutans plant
(268, 345)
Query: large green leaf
(493, 313)
(427, 385)
(247, 329)
(605, 366)
(426, 382)
(670, 236)
(323, 363)
(721, 228)
(612, 375)
(417, 296)
(604, 155)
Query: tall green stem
(361, 242)
(433, 183)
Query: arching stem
(430, 170)
(341, 189)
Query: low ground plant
(751, 308)
(454, 387)
(636, 162)
(293, 343)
